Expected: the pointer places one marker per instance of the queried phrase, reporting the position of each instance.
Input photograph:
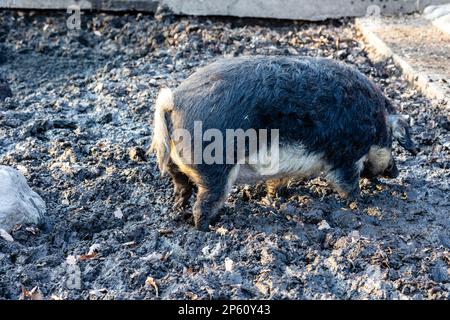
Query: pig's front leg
(346, 182)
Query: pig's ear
(399, 125)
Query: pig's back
(322, 103)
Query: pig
(330, 121)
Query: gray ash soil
(78, 126)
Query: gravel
(78, 125)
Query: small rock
(344, 219)
(323, 225)
(228, 265)
(63, 124)
(118, 213)
(19, 204)
(106, 118)
(288, 208)
(313, 216)
(98, 292)
(153, 257)
(94, 248)
(6, 236)
(439, 272)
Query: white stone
(435, 12)
(228, 264)
(18, 203)
(323, 225)
(5, 235)
(439, 16)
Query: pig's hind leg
(213, 189)
(183, 187)
(277, 187)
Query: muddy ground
(78, 125)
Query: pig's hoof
(202, 226)
(178, 207)
(353, 199)
(180, 203)
(181, 216)
(180, 212)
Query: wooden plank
(98, 5)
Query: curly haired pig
(331, 121)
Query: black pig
(331, 121)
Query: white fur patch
(292, 161)
(379, 158)
(165, 99)
(161, 139)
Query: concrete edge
(443, 24)
(287, 9)
(418, 79)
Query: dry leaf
(192, 296)
(222, 231)
(353, 205)
(88, 256)
(32, 230)
(373, 212)
(98, 292)
(153, 257)
(17, 227)
(266, 202)
(94, 248)
(151, 282)
(189, 271)
(92, 253)
(129, 244)
(33, 294)
(166, 256)
(304, 200)
(5, 235)
(164, 232)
